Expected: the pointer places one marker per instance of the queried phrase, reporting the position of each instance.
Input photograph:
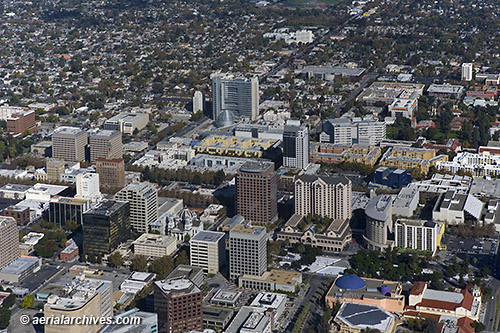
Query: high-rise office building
(295, 145)
(378, 222)
(143, 199)
(107, 144)
(9, 241)
(19, 122)
(256, 192)
(198, 101)
(235, 97)
(54, 169)
(179, 305)
(80, 297)
(207, 250)
(247, 251)
(325, 196)
(105, 226)
(467, 69)
(68, 143)
(64, 209)
(87, 185)
(111, 172)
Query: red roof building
(424, 301)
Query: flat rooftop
(208, 236)
(154, 240)
(107, 207)
(365, 316)
(278, 276)
(19, 265)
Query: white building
(405, 202)
(207, 250)
(271, 301)
(353, 131)
(467, 69)
(453, 208)
(403, 107)
(198, 101)
(304, 36)
(483, 164)
(143, 200)
(250, 320)
(127, 122)
(418, 235)
(87, 186)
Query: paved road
(489, 316)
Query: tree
(140, 264)
(116, 259)
(182, 259)
(4, 317)
(162, 266)
(9, 301)
(28, 301)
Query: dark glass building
(65, 209)
(106, 226)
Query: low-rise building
(127, 123)
(445, 91)
(478, 165)
(331, 153)
(391, 177)
(374, 292)
(274, 280)
(153, 245)
(238, 147)
(356, 318)
(332, 237)
(20, 269)
(70, 252)
(405, 202)
(223, 297)
(273, 302)
(251, 320)
(454, 208)
(460, 303)
(411, 158)
(217, 316)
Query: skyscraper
(256, 192)
(467, 71)
(111, 172)
(295, 145)
(68, 144)
(247, 251)
(237, 96)
(107, 144)
(105, 226)
(198, 101)
(325, 196)
(9, 241)
(178, 303)
(143, 200)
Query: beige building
(107, 144)
(82, 297)
(68, 143)
(331, 237)
(207, 250)
(9, 241)
(111, 172)
(324, 196)
(127, 122)
(276, 279)
(153, 245)
(54, 168)
(143, 199)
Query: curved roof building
(350, 282)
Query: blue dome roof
(350, 281)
